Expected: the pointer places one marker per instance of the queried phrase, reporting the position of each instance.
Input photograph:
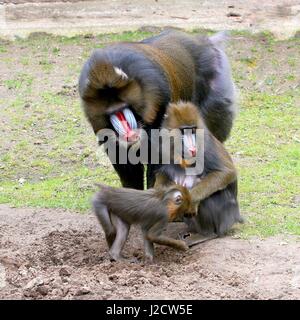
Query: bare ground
(282, 17)
(53, 254)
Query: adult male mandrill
(126, 86)
(118, 208)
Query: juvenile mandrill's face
(180, 203)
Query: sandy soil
(282, 17)
(53, 254)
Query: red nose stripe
(124, 123)
(193, 151)
(191, 148)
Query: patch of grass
(22, 80)
(292, 61)
(70, 191)
(125, 36)
(56, 50)
(3, 49)
(203, 31)
(291, 77)
(13, 84)
(249, 61)
(268, 163)
(46, 65)
(25, 61)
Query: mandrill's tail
(220, 107)
(219, 38)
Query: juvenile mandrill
(127, 86)
(118, 208)
(214, 188)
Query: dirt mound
(53, 254)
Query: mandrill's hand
(195, 194)
(195, 203)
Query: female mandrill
(214, 187)
(118, 208)
(127, 86)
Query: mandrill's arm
(218, 178)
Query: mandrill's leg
(104, 218)
(131, 176)
(122, 230)
(148, 247)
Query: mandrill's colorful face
(125, 125)
(112, 101)
(185, 117)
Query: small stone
(23, 272)
(113, 277)
(82, 291)
(21, 180)
(283, 243)
(65, 291)
(57, 292)
(233, 14)
(43, 290)
(34, 282)
(64, 272)
(89, 36)
(30, 294)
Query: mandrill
(117, 209)
(127, 86)
(214, 187)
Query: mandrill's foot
(148, 258)
(113, 257)
(192, 239)
(116, 256)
